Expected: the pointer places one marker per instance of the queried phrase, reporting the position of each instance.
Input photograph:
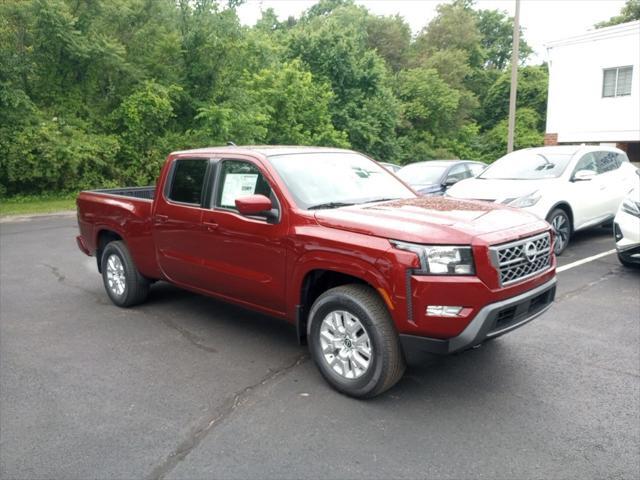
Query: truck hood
(497, 190)
(433, 220)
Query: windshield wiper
(329, 205)
(379, 200)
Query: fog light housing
(443, 310)
(617, 233)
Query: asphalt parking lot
(189, 387)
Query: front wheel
(122, 281)
(561, 224)
(353, 341)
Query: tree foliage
(97, 92)
(629, 13)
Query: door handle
(210, 226)
(161, 218)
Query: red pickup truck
(370, 273)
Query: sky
(542, 20)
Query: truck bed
(146, 193)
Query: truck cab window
(187, 181)
(240, 179)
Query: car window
(606, 161)
(622, 158)
(475, 169)
(422, 173)
(587, 162)
(187, 181)
(239, 178)
(458, 172)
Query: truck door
(244, 257)
(177, 220)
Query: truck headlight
(440, 260)
(630, 207)
(526, 201)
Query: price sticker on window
(237, 185)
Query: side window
(606, 161)
(476, 169)
(187, 181)
(459, 172)
(587, 162)
(239, 179)
(622, 159)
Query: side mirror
(253, 205)
(450, 181)
(584, 175)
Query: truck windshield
(527, 165)
(335, 179)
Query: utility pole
(515, 54)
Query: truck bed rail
(146, 193)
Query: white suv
(573, 187)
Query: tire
(342, 361)
(125, 286)
(561, 224)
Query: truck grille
(522, 259)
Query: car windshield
(335, 179)
(422, 173)
(527, 165)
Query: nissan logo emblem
(530, 251)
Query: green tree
(455, 27)
(496, 32)
(629, 13)
(532, 93)
(391, 38)
(493, 144)
(282, 105)
(429, 113)
(334, 47)
(141, 120)
(97, 92)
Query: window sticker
(237, 185)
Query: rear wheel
(561, 224)
(122, 281)
(353, 341)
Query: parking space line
(585, 260)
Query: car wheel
(122, 281)
(561, 224)
(353, 341)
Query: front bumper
(491, 321)
(626, 229)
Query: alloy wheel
(116, 278)
(345, 344)
(560, 224)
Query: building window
(616, 82)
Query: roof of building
(623, 29)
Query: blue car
(434, 177)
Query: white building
(594, 89)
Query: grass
(29, 205)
